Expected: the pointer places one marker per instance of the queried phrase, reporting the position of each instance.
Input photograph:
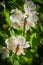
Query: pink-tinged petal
(20, 51)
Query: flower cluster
(16, 45)
(18, 18)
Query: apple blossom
(17, 44)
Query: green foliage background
(34, 54)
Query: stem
(14, 58)
(15, 54)
(24, 27)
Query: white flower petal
(3, 4)
(22, 42)
(14, 18)
(11, 43)
(17, 18)
(12, 11)
(5, 52)
(28, 6)
(21, 39)
(32, 13)
(33, 18)
(17, 44)
(26, 45)
(5, 55)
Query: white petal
(12, 43)
(12, 11)
(32, 13)
(16, 25)
(21, 40)
(16, 18)
(33, 18)
(3, 4)
(26, 45)
(5, 52)
(5, 55)
(28, 6)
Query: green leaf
(34, 40)
(32, 50)
(11, 31)
(3, 34)
(16, 62)
(39, 1)
(6, 13)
